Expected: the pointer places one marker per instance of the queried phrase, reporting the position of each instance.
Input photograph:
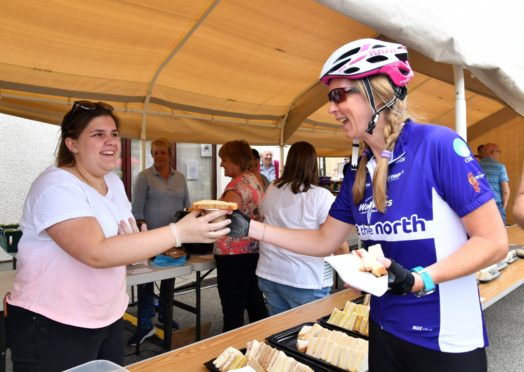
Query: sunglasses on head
(338, 95)
(90, 106)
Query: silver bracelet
(174, 230)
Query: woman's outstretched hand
(196, 228)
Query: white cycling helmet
(368, 57)
(363, 58)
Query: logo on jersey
(370, 206)
(421, 328)
(407, 228)
(461, 148)
(473, 182)
(395, 177)
(402, 159)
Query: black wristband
(400, 280)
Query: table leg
(3, 345)
(168, 325)
(198, 305)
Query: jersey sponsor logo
(461, 148)
(473, 180)
(421, 328)
(370, 206)
(405, 228)
(395, 177)
(401, 160)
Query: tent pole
(461, 126)
(153, 81)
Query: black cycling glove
(239, 226)
(400, 280)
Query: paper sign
(192, 170)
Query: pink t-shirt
(49, 281)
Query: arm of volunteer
(84, 239)
(320, 243)
(487, 245)
(518, 207)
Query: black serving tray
(324, 322)
(287, 342)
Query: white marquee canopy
(208, 71)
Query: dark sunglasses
(90, 106)
(338, 95)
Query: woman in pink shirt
(69, 294)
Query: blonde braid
(360, 178)
(394, 122)
(380, 177)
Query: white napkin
(348, 267)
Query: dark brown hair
(75, 121)
(301, 168)
(238, 152)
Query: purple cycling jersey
(433, 181)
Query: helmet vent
(351, 70)
(348, 53)
(337, 66)
(402, 56)
(378, 46)
(376, 59)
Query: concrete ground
(504, 321)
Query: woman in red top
(237, 258)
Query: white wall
(26, 148)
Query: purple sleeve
(458, 177)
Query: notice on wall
(205, 150)
(192, 170)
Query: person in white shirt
(69, 293)
(294, 201)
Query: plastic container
(97, 366)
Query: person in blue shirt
(497, 176)
(419, 192)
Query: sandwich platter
(488, 277)
(210, 365)
(287, 342)
(488, 274)
(344, 320)
(519, 250)
(259, 356)
(511, 256)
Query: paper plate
(348, 268)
